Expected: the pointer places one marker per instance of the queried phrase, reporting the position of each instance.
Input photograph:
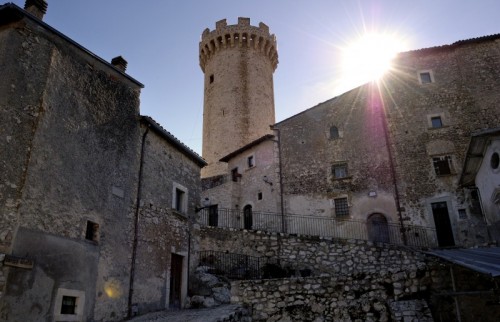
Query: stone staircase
(223, 313)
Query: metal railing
(234, 266)
(390, 233)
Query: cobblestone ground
(217, 314)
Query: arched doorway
(247, 217)
(378, 229)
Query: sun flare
(369, 57)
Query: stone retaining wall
(363, 297)
(320, 255)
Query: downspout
(393, 172)
(136, 225)
(280, 170)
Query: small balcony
(376, 231)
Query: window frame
(438, 162)
(340, 165)
(235, 174)
(92, 231)
(425, 71)
(180, 205)
(251, 161)
(334, 130)
(78, 308)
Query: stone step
(223, 313)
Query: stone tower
(238, 62)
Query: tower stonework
(238, 62)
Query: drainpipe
(283, 227)
(136, 225)
(393, 172)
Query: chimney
(119, 63)
(36, 7)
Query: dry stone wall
(320, 255)
(358, 297)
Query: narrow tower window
(211, 78)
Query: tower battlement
(242, 35)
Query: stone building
(238, 62)
(332, 193)
(96, 202)
(386, 154)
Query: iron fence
(234, 266)
(417, 236)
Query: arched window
(247, 217)
(378, 229)
(334, 132)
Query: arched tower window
(378, 228)
(247, 217)
(334, 132)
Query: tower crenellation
(238, 62)
(241, 34)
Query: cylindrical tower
(238, 62)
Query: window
(339, 170)
(462, 214)
(425, 77)
(235, 175)
(341, 207)
(179, 200)
(442, 165)
(436, 122)
(251, 161)
(68, 305)
(211, 78)
(334, 132)
(495, 161)
(259, 196)
(91, 232)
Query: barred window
(341, 207)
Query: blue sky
(159, 39)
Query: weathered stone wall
(363, 297)
(352, 279)
(261, 179)
(320, 255)
(72, 142)
(464, 93)
(163, 231)
(238, 62)
(393, 118)
(309, 151)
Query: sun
(369, 57)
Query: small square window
(259, 196)
(442, 165)
(339, 171)
(91, 233)
(68, 305)
(462, 214)
(425, 78)
(251, 161)
(436, 122)
(341, 207)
